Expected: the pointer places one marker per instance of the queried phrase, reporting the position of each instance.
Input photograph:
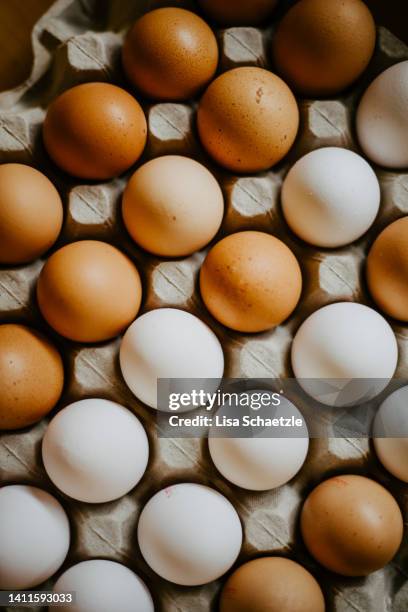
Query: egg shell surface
(31, 376)
(344, 354)
(382, 118)
(330, 197)
(321, 47)
(95, 131)
(189, 534)
(170, 54)
(171, 217)
(89, 291)
(351, 525)
(250, 281)
(387, 270)
(102, 586)
(273, 584)
(260, 462)
(390, 433)
(95, 450)
(34, 536)
(31, 213)
(247, 119)
(169, 343)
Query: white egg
(103, 586)
(330, 197)
(390, 432)
(189, 534)
(171, 344)
(262, 462)
(382, 118)
(95, 450)
(34, 536)
(344, 354)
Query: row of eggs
(248, 117)
(175, 218)
(341, 342)
(190, 534)
(249, 281)
(115, 461)
(315, 47)
(100, 585)
(98, 130)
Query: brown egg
(171, 217)
(30, 214)
(387, 270)
(170, 53)
(250, 281)
(95, 131)
(322, 47)
(351, 525)
(238, 12)
(271, 584)
(89, 291)
(248, 119)
(31, 376)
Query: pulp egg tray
(79, 41)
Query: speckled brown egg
(351, 525)
(238, 12)
(170, 53)
(89, 291)
(387, 270)
(322, 47)
(247, 119)
(95, 131)
(30, 214)
(271, 584)
(250, 281)
(31, 376)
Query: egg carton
(78, 41)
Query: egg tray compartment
(79, 41)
